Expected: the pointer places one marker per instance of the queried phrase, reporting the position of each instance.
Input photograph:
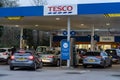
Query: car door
(106, 58)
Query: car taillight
(50, 56)
(84, 56)
(99, 57)
(5, 53)
(31, 57)
(12, 57)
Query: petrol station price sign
(65, 49)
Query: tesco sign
(60, 10)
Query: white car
(5, 55)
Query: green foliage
(1, 31)
(8, 3)
(1, 4)
(28, 36)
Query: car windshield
(40, 49)
(92, 54)
(2, 50)
(111, 52)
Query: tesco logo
(60, 8)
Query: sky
(62, 2)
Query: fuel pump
(73, 55)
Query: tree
(1, 30)
(27, 33)
(8, 3)
(39, 2)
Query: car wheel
(110, 65)
(34, 67)
(8, 61)
(85, 66)
(11, 68)
(40, 65)
(104, 65)
(58, 63)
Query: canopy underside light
(14, 18)
(112, 15)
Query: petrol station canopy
(54, 17)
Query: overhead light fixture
(82, 24)
(36, 25)
(57, 19)
(112, 15)
(16, 25)
(107, 24)
(14, 18)
(63, 29)
(97, 29)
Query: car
(115, 53)
(41, 49)
(25, 59)
(5, 55)
(97, 59)
(50, 57)
(81, 52)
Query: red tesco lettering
(60, 8)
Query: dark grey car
(27, 59)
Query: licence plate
(21, 59)
(45, 60)
(91, 60)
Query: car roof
(111, 49)
(5, 48)
(95, 51)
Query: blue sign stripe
(22, 11)
(99, 8)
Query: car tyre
(8, 61)
(85, 66)
(40, 65)
(11, 68)
(34, 67)
(110, 65)
(104, 65)
(58, 63)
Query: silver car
(50, 57)
(25, 58)
(97, 58)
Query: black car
(25, 58)
(115, 53)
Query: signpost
(65, 49)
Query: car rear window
(23, 54)
(92, 54)
(49, 52)
(2, 50)
(9, 50)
